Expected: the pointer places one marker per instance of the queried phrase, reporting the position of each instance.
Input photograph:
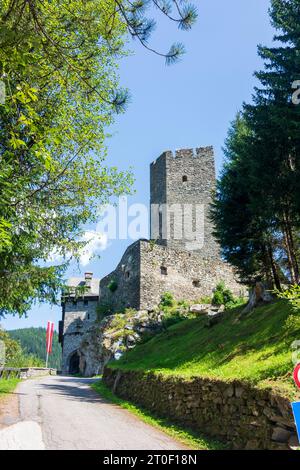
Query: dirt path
(9, 410)
(64, 413)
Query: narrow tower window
(164, 270)
(160, 222)
(184, 179)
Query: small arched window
(164, 270)
(196, 283)
(184, 179)
(127, 275)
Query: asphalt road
(64, 413)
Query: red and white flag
(49, 336)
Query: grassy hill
(256, 347)
(33, 341)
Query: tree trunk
(290, 248)
(293, 253)
(289, 255)
(274, 268)
(258, 296)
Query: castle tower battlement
(199, 152)
(181, 182)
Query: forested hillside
(33, 341)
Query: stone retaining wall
(27, 372)
(234, 412)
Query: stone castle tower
(181, 186)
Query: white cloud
(95, 243)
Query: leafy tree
(58, 61)
(15, 356)
(292, 294)
(33, 343)
(12, 347)
(51, 139)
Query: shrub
(113, 285)
(218, 298)
(103, 310)
(237, 302)
(16, 356)
(130, 312)
(167, 300)
(183, 303)
(292, 323)
(222, 295)
(292, 294)
(205, 300)
(171, 318)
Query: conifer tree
(258, 193)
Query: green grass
(7, 386)
(186, 436)
(256, 347)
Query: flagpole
(48, 341)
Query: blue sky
(189, 104)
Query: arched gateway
(74, 363)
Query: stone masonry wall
(147, 270)
(185, 274)
(233, 412)
(127, 278)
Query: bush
(172, 318)
(113, 285)
(218, 298)
(16, 356)
(222, 295)
(292, 323)
(205, 300)
(183, 303)
(103, 310)
(292, 294)
(25, 360)
(167, 300)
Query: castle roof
(91, 283)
